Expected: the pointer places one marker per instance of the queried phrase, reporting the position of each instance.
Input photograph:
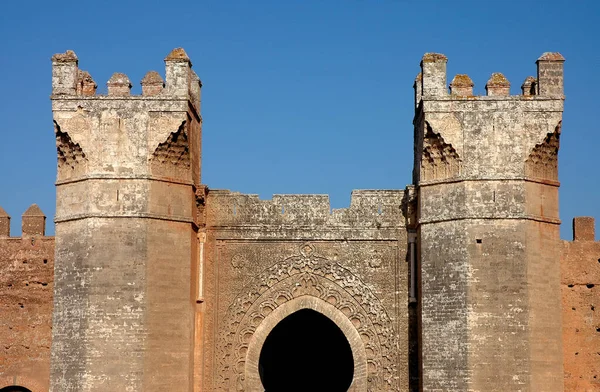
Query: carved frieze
(308, 273)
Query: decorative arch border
(359, 355)
(307, 274)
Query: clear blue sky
(299, 96)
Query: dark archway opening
(306, 351)
(14, 389)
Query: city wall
(580, 286)
(26, 284)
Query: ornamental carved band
(314, 276)
(542, 162)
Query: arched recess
(311, 275)
(253, 382)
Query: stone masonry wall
(580, 286)
(486, 175)
(161, 284)
(26, 283)
(128, 166)
(263, 251)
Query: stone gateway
(156, 282)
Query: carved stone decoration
(172, 157)
(78, 126)
(71, 158)
(542, 162)
(376, 259)
(238, 260)
(307, 274)
(307, 249)
(253, 381)
(439, 159)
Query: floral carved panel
(307, 274)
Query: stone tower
(126, 229)
(488, 230)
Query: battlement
(368, 209)
(33, 222)
(431, 81)
(128, 136)
(181, 81)
(584, 228)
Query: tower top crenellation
(462, 85)
(497, 85)
(180, 81)
(178, 54)
(431, 82)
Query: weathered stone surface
(265, 252)
(580, 285)
(125, 229)
(26, 283)
(454, 284)
(152, 84)
(433, 71)
(461, 85)
(529, 86)
(550, 75)
(33, 221)
(583, 229)
(178, 54)
(4, 223)
(85, 84)
(488, 230)
(497, 85)
(119, 85)
(64, 73)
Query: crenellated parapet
(152, 84)
(114, 141)
(26, 288)
(433, 75)
(497, 85)
(85, 84)
(584, 228)
(462, 85)
(181, 81)
(119, 85)
(529, 86)
(496, 136)
(379, 210)
(117, 134)
(431, 81)
(4, 223)
(33, 223)
(550, 75)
